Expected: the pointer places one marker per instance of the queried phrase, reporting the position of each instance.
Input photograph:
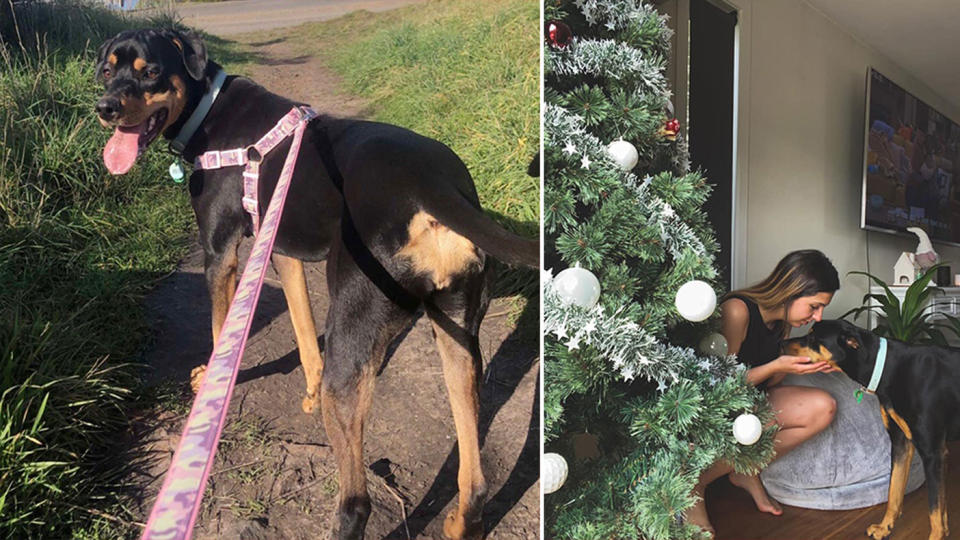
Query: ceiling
(921, 36)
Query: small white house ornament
(905, 270)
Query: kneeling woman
(755, 321)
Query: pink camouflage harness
(175, 510)
(215, 159)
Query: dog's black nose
(108, 108)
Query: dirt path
(275, 475)
(238, 16)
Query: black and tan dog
(395, 214)
(919, 393)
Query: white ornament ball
(624, 154)
(696, 300)
(577, 286)
(747, 429)
(553, 472)
(713, 345)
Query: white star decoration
(570, 148)
(704, 364)
(662, 387)
(585, 162)
(574, 343)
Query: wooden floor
(735, 517)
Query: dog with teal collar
(918, 387)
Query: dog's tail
(472, 223)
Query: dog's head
(837, 342)
(148, 78)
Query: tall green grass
(463, 72)
(467, 74)
(78, 250)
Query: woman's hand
(800, 365)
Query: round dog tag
(176, 172)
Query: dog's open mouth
(128, 142)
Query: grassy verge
(461, 71)
(78, 251)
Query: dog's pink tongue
(121, 150)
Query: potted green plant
(908, 320)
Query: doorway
(712, 42)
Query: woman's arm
(735, 318)
(767, 372)
(775, 379)
(734, 321)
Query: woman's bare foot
(697, 514)
(753, 486)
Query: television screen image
(910, 154)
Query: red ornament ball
(557, 34)
(670, 129)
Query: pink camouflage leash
(175, 510)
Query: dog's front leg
(298, 302)
(901, 453)
(220, 269)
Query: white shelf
(945, 303)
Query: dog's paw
(196, 377)
(455, 528)
(878, 531)
(310, 403)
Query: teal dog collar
(877, 370)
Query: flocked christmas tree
(638, 399)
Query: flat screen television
(911, 153)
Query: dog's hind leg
(901, 453)
(933, 453)
(298, 302)
(220, 269)
(943, 490)
(361, 323)
(456, 317)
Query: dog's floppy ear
(192, 51)
(105, 48)
(850, 336)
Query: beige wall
(800, 143)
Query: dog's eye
(106, 72)
(152, 73)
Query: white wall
(800, 143)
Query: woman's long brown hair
(804, 272)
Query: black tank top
(761, 344)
